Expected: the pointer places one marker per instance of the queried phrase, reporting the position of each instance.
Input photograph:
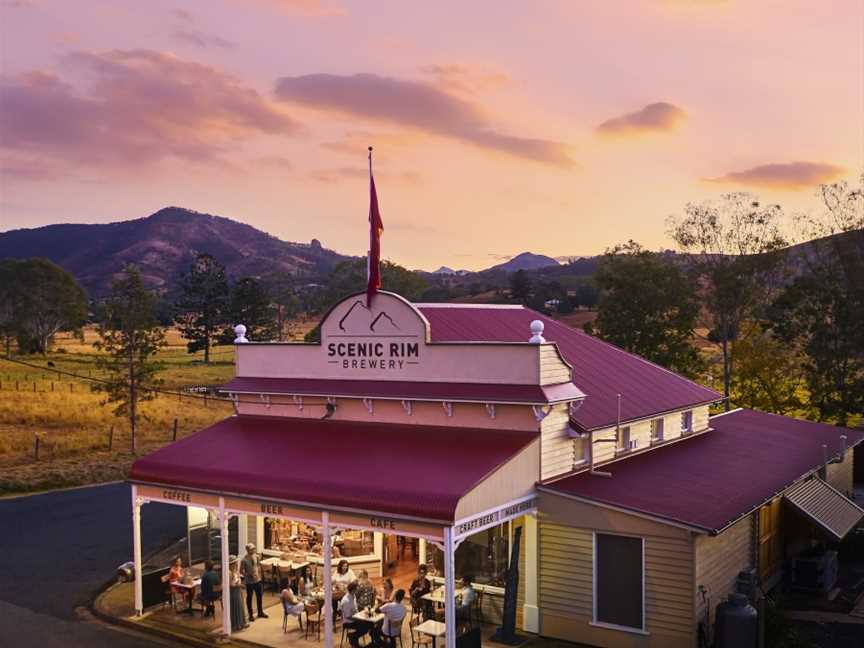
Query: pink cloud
(339, 174)
(655, 117)
(304, 8)
(462, 79)
(784, 175)
(415, 105)
(140, 106)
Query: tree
(586, 295)
(768, 373)
(251, 306)
(10, 304)
(286, 304)
(48, 300)
(648, 307)
(822, 317)
(201, 309)
(349, 277)
(520, 287)
(731, 244)
(130, 336)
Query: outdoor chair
(418, 639)
(393, 638)
(313, 620)
(289, 610)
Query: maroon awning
(416, 471)
(407, 390)
(714, 478)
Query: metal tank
(737, 623)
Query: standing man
(250, 570)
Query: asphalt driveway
(58, 549)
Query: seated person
(175, 575)
(344, 575)
(305, 582)
(421, 586)
(365, 591)
(465, 599)
(291, 605)
(348, 608)
(394, 613)
(386, 594)
(210, 588)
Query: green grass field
(73, 422)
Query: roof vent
(240, 332)
(537, 332)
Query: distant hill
(162, 246)
(444, 270)
(525, 261)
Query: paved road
(58, 549)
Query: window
(618, 581)
(657, 429)
(485, 555)
(624, 439)
(296, 537)
(687, 421)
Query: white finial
(537, 332)
(240, 332)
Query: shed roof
(825, 505)
(600, 370)
(414, 471)
(709, 481)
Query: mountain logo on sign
(360, 316)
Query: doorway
(401, 559)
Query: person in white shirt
(344, 575)
(465, 600)
(291, 605)
(348, 608)
(394, 613)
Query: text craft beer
(373, 355)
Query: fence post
(36, 446)
(34, 386)
(175, 430)
(111, 438)
(71, 387)
(52, 386)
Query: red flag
(375, 228)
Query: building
(464, 429)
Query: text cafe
(462, 475)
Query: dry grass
(73, 422)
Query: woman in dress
(386, 594)
(305, 582)
(175, 575)
(238, 616)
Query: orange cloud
(465, 80)
(333, 176)
(305, 8)
(788, 175)
(415, 105)
(653, 118)
(141, 106)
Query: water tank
(737, 624)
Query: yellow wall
(566, 576)
(718, 559)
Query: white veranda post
(328, 581)
(136, 550)
(449, 589)
(226, 577)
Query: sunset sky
(557, 127)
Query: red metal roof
(400, 389)
(712, 479)
(408, 470)
(599, 369)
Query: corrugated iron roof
(826, 506)
(710, 480)
(403, 389)
(416, 471)
(600, 370)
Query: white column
(422, 551)
(531, 613)
(136, 551)
(226, 579)
(328, 581)
(243, 532)
(449, 589)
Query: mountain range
(163, 245)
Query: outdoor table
(189, 592)
(288, 565)
(436, 596)
(432, 629)
(373, 619)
